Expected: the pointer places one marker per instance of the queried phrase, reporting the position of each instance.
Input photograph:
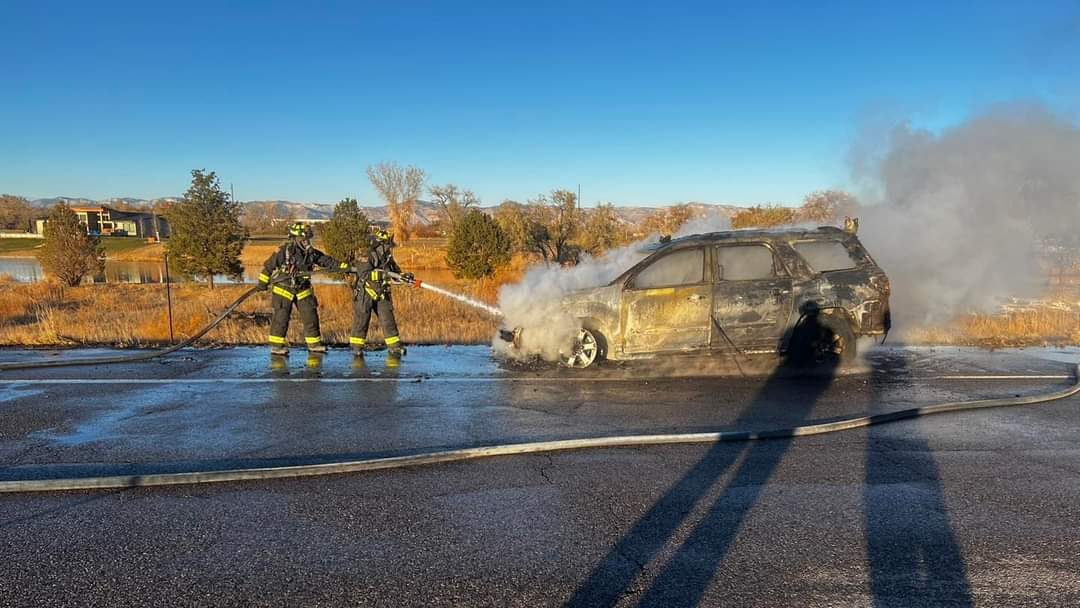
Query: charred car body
(739, 291)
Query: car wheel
(834, 343)
(587, 350)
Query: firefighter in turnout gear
(296, 256)
(372, 294)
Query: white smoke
(959, 214)
(534, 303)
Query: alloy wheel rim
(585, 350)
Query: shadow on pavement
(912, 552)
(686, 576)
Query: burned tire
(822, 340)
(589, 348)
(835, 343)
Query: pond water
(28, 270)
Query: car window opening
(686, 267)
(825, 256)
(744, 263)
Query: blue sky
(639, 103)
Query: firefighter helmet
(381, 235)
(300, 230)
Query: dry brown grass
(1043, 326)
(130, 315)
(135, 315)
(126, 315)
(150, 252)
(255, 253)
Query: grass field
(116, 247)
(1045, 326)
(44, 314)
(130, 315)
(134, 315)
(22, 247)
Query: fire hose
(465, 454)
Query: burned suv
(746, 291)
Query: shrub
(478, 247)
(69, 253)
(763, 216)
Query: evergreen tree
(207, 236)
(69, 253)
(345, 236)
(478, 246)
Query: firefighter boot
(318, 348)
(396, 351)
(279, 351)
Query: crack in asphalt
(543, 469)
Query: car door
(752, 297)
(666, 305)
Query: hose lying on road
(396, 462)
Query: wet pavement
(965, 509)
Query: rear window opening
(825, 256)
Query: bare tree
(668, 220)
(399, 188)
(16, 213)
(453, 203)
(827, 206)
(553, 225)
(602, 230)
(265, 217)
(513, 218)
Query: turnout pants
(283, 301)
(363, 306)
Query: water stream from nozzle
(463, 299)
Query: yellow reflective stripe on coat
(343, 266)
(285, 293)
(357, 341)
(277, 340)
(264, 278)
(314, 340)
(392, 340)
(303, 294)
(374, 295)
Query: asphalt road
(957, 510)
